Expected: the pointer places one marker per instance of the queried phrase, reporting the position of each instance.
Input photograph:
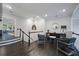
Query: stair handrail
(75, 33)
(21, 31)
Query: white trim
(10, 42)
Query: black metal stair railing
(75, 33)
(22, 33)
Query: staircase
(11, 41)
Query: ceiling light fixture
(37, 16)
(8, 6)
(46, 15)
(64, 10)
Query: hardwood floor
(22, 49)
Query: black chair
(41, 39)
(67, 44)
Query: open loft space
(39, 29)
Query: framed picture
(55, 26)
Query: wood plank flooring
(22, 49)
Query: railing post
(22, 36)
(20, 33)
(29, 40)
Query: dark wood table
(58, 35)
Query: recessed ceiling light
(46, 15)
(64, 10)
(37, 16)
(8, 6)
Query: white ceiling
(40, 9)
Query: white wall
(0, 16)
(0, 10)
(60, 21)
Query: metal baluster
(22, 37)
(29, 40)
(20, 33)
(57, 46)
